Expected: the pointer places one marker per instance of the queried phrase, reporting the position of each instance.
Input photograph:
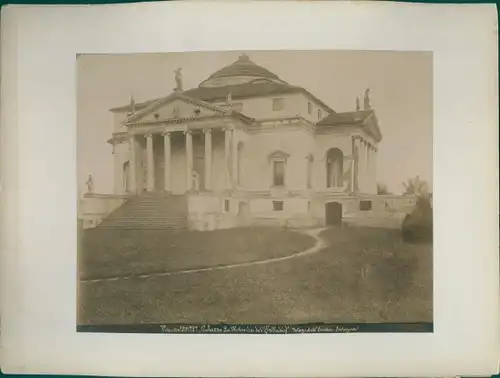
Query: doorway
(333, 214)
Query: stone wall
(93, 208)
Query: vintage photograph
(254, 189)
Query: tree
(416, 186)
(382, 189)
(417, 226)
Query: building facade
(247, 148)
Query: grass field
(109, 253)
(363, 275)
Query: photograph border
(38, 333)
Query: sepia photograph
(187, 193)
(278, 188)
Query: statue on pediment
(178, 79)
(358, 107)
(367, 105)
(195, 176)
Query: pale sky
(400, 89)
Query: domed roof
(243, 67)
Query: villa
(243, 148)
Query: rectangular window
(309, 108)
(237, 107)
(278, 205)
(226, 205)
(320, 114)
(365, 205)
(278, 104)
(279, 173)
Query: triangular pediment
(371, 126)
(176, 106)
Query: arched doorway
(333, 213)
(334, 168)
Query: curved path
(320, 244)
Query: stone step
(142, 227)
(150, 211)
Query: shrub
(417, 226)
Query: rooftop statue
(367, 99)
(178, 79)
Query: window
(277, 165)
(237, 107)
(278, 205)
(226, 205)
(278, 104)
(320, 114)
(278, 173)
(365, 205)
(334, 168)
(309, 108)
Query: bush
(417, 226)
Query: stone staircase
(151, 211)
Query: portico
(183, 158)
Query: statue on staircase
(90, 184)
(196, 180)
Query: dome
(242, 70)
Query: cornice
(282, 124)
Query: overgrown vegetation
(417, 226)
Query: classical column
(234, 160)
(352, 187)
(150, 163)
(133, 165)
(208, 159)
(362, 167)
(167, 153)
(368, 167)
(374, 170)
(189, 160)
(227, 155)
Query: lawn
(363, 275)
(109, 253)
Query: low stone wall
(392, 220)
(211, 221)
(93, 208)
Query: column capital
(148, 135)
(166, 133)
(207, 131)
(186, 132)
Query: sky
(400, 90)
